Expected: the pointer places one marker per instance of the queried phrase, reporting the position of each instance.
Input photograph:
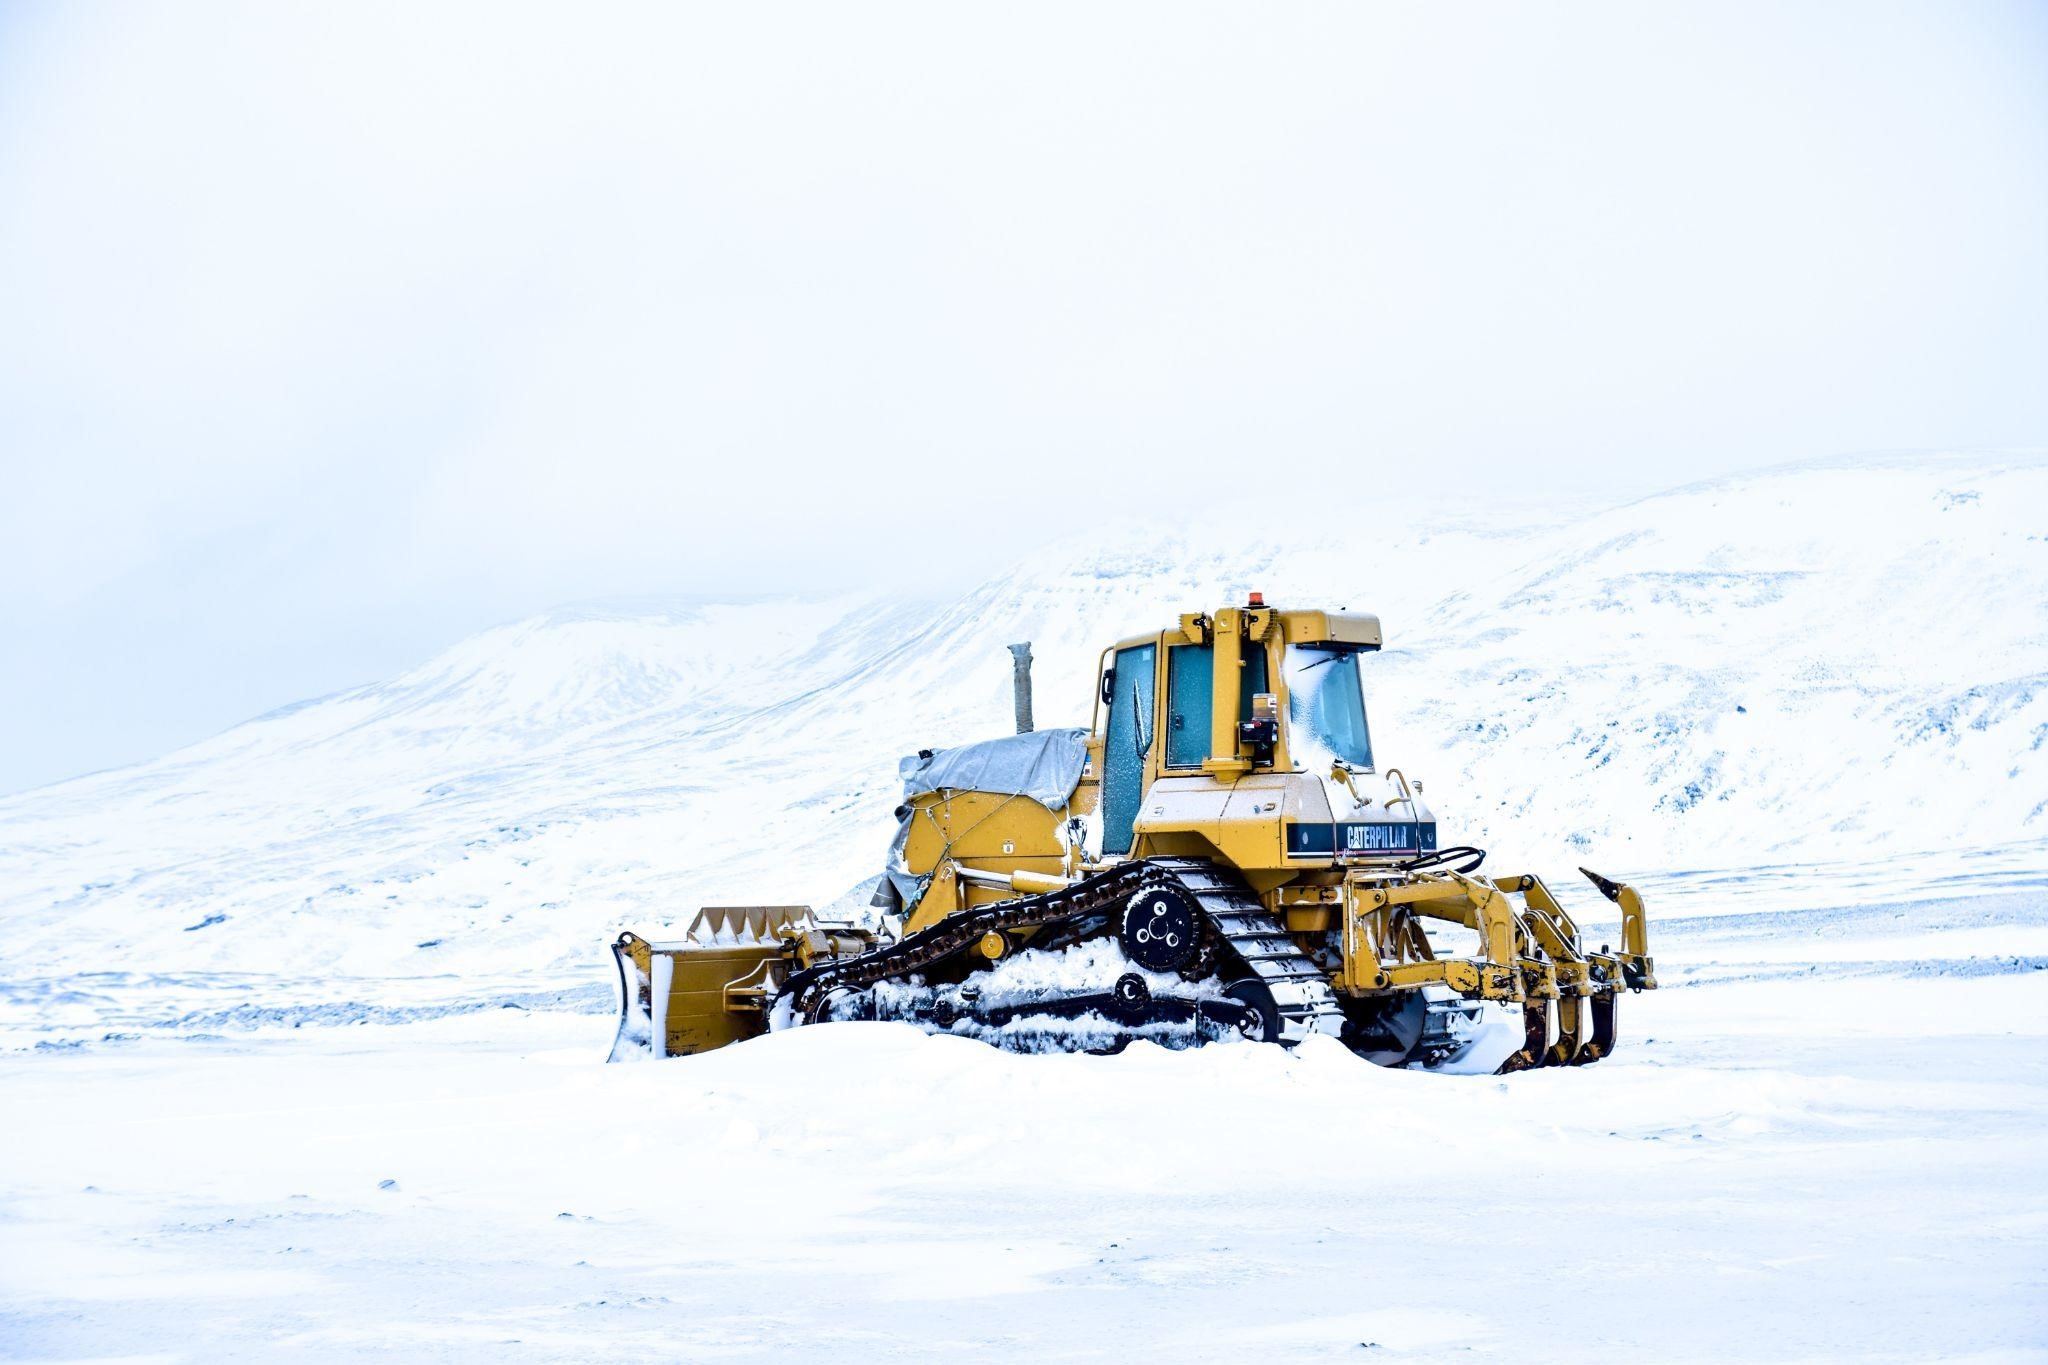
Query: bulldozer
(1217, 857)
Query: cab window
(1190, 682)
(1190, 695)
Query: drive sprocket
(1160, 929)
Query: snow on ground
(361, 940)
(1829, 1164)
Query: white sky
(328, 334)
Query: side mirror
(1108, 686)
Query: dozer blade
(712, 988)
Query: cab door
(1126, 744)
(1190, 691)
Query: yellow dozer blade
(716, 985)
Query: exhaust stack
(1020, 656)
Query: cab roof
(1345, 629)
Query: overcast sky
(329, 334)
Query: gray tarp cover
(1044, 765)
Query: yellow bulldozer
(1217, 857)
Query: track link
(1263, 947)
(956, 933)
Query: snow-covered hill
(1827, 663)
(1747, 691)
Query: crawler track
(1247, 942)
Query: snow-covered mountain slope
(1826, 663)
(1842, 665)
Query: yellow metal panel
(1227, 663)
(693, 1016)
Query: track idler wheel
(1261, 1019)
(839, 1004)
(1159, 930)
(1386, 1031)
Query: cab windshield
(1326, 709)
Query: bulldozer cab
(1226, 694)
